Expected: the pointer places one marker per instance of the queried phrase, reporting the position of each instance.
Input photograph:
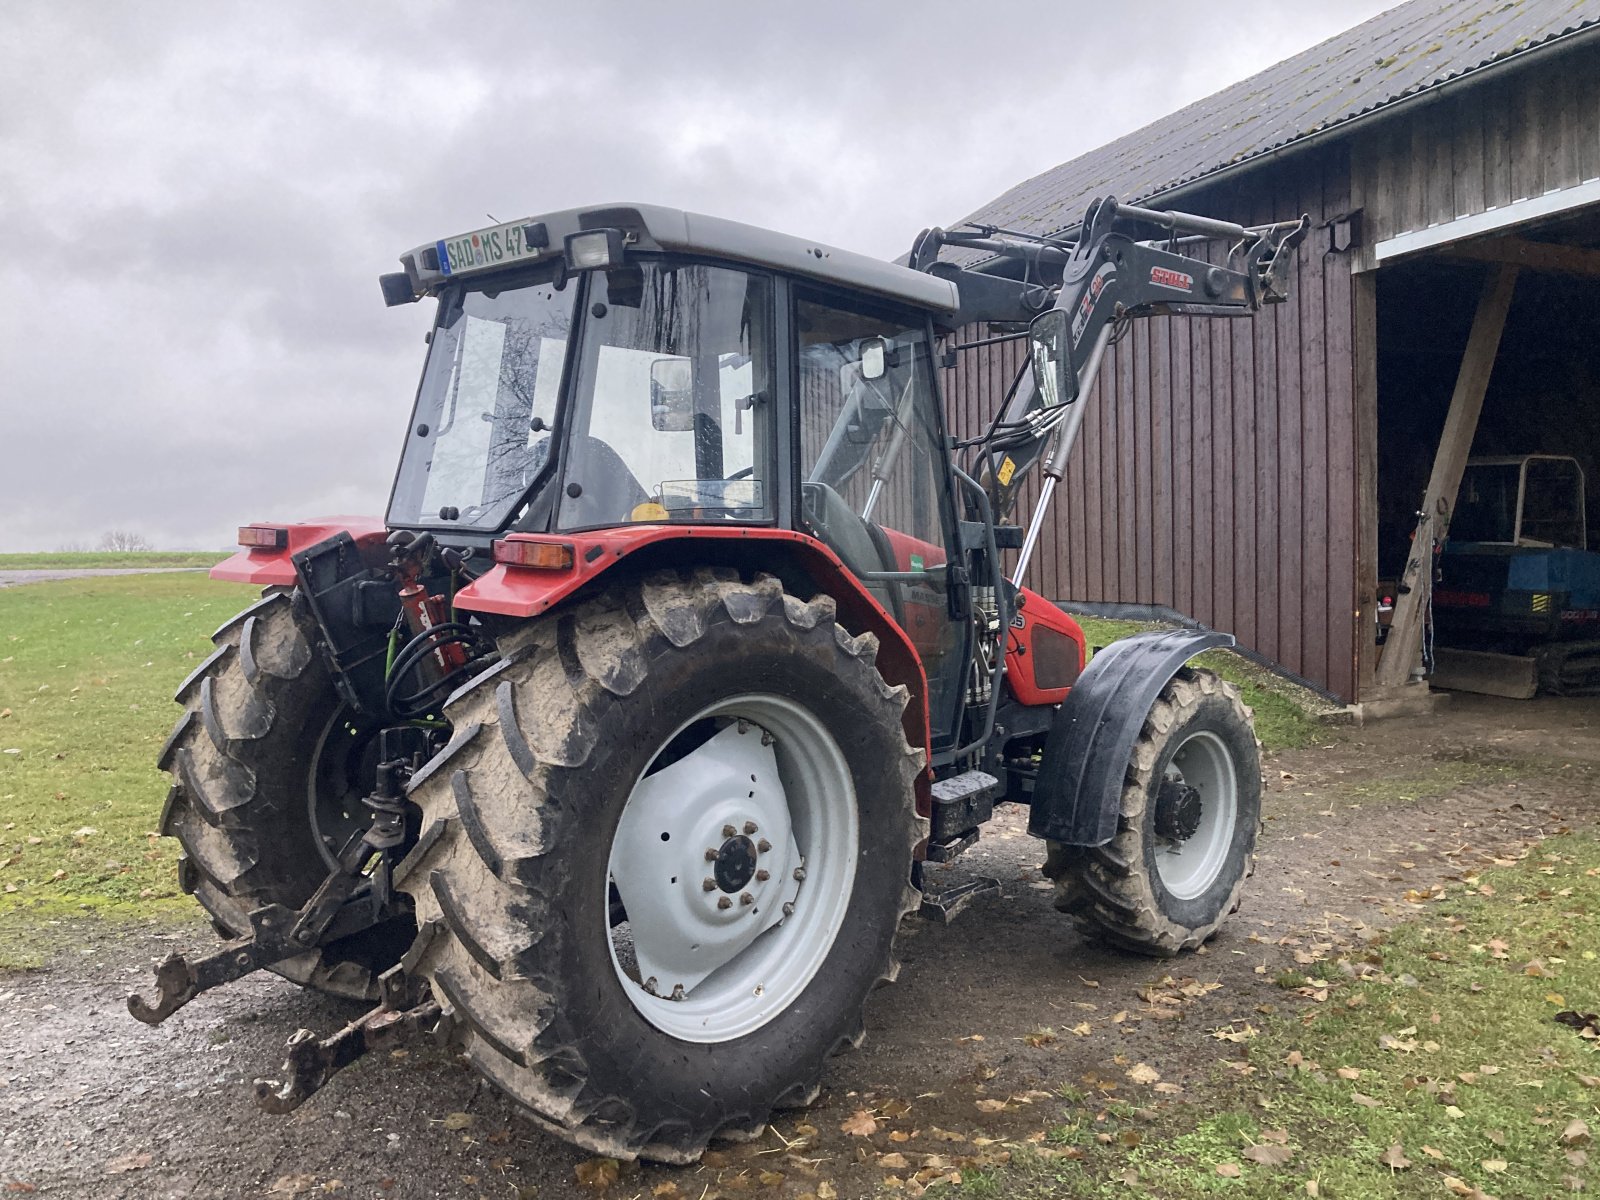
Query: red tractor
(612, 756)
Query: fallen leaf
(1081, 1029)
(1268, 1154)
(667, 1191)
(457, 1121)
(1348, 1073)
(861, 1123)
(826, 1191)
(597, 1173)
(1395, 1158)
(124, 1163)
(292, 1185)
(893, 1161)
(991, 1106)
(19, 1187)
(1143, 1073)
(1228, 1170)
(1364, 1100)
(1313, 1188)
(1436, 1155)
(1575, 1134)
(1494, 1166)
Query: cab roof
(651, 227)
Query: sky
(196, 199)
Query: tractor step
(946, 904)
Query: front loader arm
(1102, 275)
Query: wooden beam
(1537, 256)
(1403, 651)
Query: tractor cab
(629, 367)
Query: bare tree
(122, 539)
(72, 547)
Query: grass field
(87, 672)
(63, 560)
(1433, 1067)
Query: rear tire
(1151, 890)
(524, 860)
(250, 762)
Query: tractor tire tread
(484, 887)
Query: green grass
(1284, 714)
(87, 672)
(63, 560)
(1450, 1049)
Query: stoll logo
(1162, 277)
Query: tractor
(613, 755)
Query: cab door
(875, 481)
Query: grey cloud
(197, 198)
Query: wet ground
(93, 1104)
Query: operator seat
(860, 543)
(610, 491)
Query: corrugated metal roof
(1395, 55)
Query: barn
(1266, 476)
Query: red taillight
(542, 556)
(263, 537)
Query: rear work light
(263, 537)
(541, 556)
(594, 249)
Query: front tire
(576, 861)
(1186, 834)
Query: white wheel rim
(1188, 867)
(717, 971)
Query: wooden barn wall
(1531, 131)
(1216, 471)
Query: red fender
(269, 566)
(516, 591)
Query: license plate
(497, 246)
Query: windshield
(480, 433)
(673, 420)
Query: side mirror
(1054, 373)
(874, 358)
(672, 395)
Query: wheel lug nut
(724, 902)
(708, 884)
(763, 875)
(788, 909)
(763, 845)
(749, 826)
(711, 854)
(746, 899)
(677, 991)
(799, 874)
(728, 831)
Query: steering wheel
(744, 474)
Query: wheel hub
(735, 864)
(1179, 811)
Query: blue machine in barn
(1516, 577)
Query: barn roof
(1395, 56)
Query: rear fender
(273, 567)
(513, 591)
(1078, 794)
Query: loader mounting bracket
(1078, 793)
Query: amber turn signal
(542, 556)
(263, 537)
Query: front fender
(1078, 793)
